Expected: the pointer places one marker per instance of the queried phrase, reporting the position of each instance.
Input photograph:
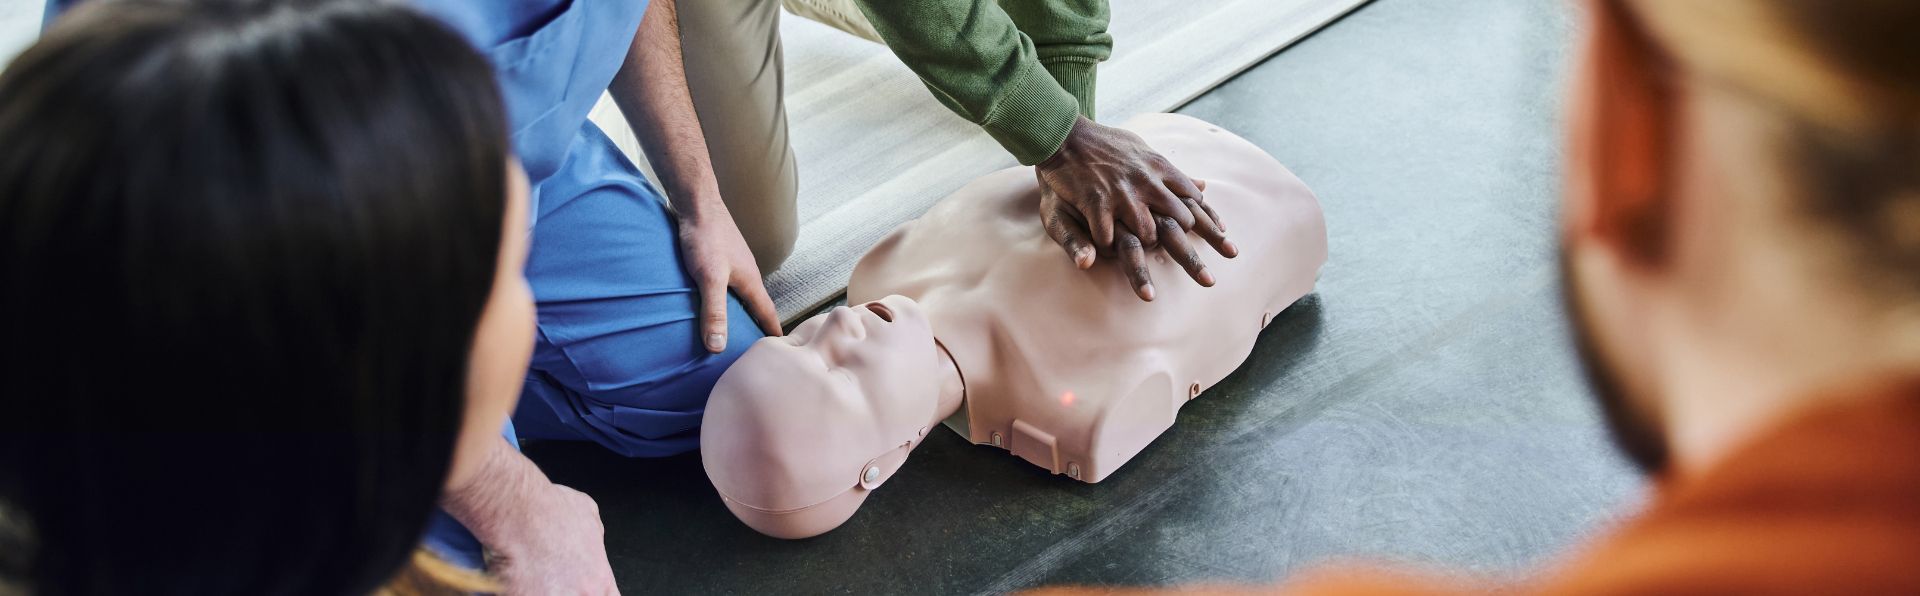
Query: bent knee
(771, 249)
(769, 223)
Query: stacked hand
(1105, 192)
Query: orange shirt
(1827, 503)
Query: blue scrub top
(554, 59)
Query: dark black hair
(244, 246)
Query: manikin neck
(953, 385)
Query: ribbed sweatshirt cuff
(1033, 115)
(1077, 77)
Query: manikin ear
(1622, 135)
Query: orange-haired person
(1742, 259)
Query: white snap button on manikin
(872, 474)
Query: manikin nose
(847, 320)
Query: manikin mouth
(882, 310)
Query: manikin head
(1742, 228)
(802, 427)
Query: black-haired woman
(261, 292)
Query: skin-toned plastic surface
(803, 426)
(1067, 369)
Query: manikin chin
(973, 316)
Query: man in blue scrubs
(636, 320)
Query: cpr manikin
(972, 315)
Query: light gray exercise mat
(875, 149)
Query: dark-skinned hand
(1105, 192)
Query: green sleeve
(1024, 88)
(1070, 38)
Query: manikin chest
(1067, 368)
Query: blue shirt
(554, 59)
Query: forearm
(541, 538)
(498, 495)
(651, 90)
(975, 60)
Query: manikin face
(799, 420)
(869, 351)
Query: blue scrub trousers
(619, 359)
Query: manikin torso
(973, 315)
(1068, 369)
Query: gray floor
(1422, 407)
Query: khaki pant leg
(734, 71)
(839, 14)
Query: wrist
(695, 208)
(1069, 146)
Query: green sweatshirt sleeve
(1023, 72)
(1070, 39)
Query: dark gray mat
(1423, 406)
